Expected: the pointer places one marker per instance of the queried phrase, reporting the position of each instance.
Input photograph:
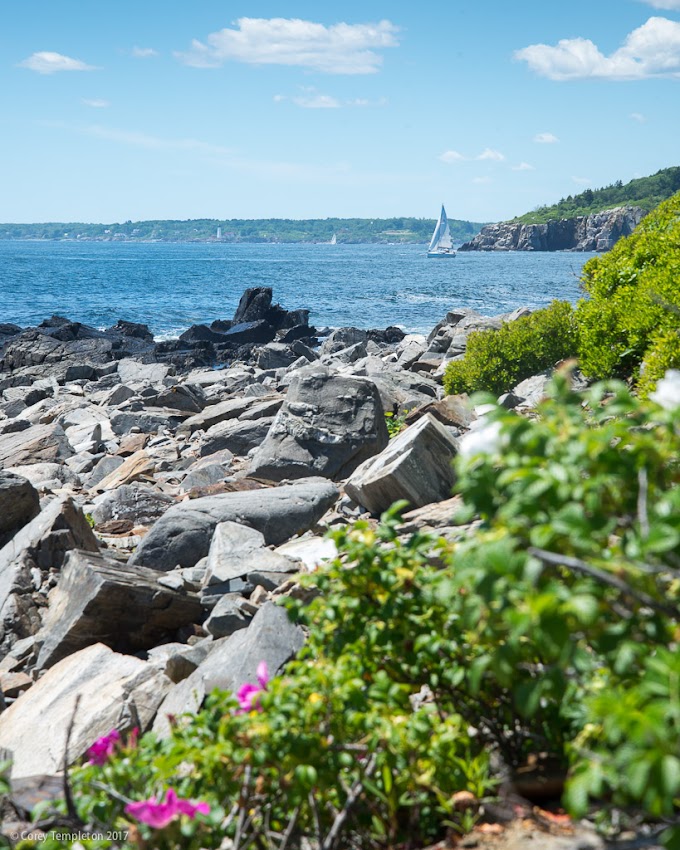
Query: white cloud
(46, 62)
(337, 49)
(96, 103)
(638, 116)
(481, 181)
(490, 154)
(144, 52)
(672, 5)
(316, 101)
(582, 181)
(651, 50)
(523, 166)
(545, 138)
(312, 99)
(451, 156)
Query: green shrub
(634, 301)
(495, 361)
(662, 355)
(553, 629)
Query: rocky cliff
(596, 232)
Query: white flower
(484, 440)
(667, 392)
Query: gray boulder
(236, 436)
(227, 616)
(236, 550)
(416, 466)
(233, 662)
(25, 562)
(183, 534)
(19, 504)
(34, 445)
(115, 691)
(327, 426)
(135, 502)
(101, 600)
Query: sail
(334, 240)
(441, 238)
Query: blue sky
(138, 110)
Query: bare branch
(68, 796)
(289, 829)
(579, 566)
(354, 792)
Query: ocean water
(172, 286)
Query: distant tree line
(645, 192)
(346, 230)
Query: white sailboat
(441, 245)
(334, 240)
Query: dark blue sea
(172, 286)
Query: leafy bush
(645, 192)
(553, 629)
(495, 361)
(633, 308)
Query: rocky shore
(596, 232)
(157, 498)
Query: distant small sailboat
(334, 240)
(441, 245)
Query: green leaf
(670, 773)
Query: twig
(317, 819)
(576, 564)
(289, 829)
(111, 792)
(643, 489)
(68, 796)
(242, 800)
(354, 792)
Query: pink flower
(248, 695)
(103, 748)
(159, 815)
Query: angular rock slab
(101, 600)
(416, 466)
(236, 550)
(38, 546)
(34, 445)
(19, 504)
(233, 661)
(327, 426)
(116, 692)
(182, 536)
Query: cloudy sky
(138, 110)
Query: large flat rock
(183, 534)
(115, 691)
